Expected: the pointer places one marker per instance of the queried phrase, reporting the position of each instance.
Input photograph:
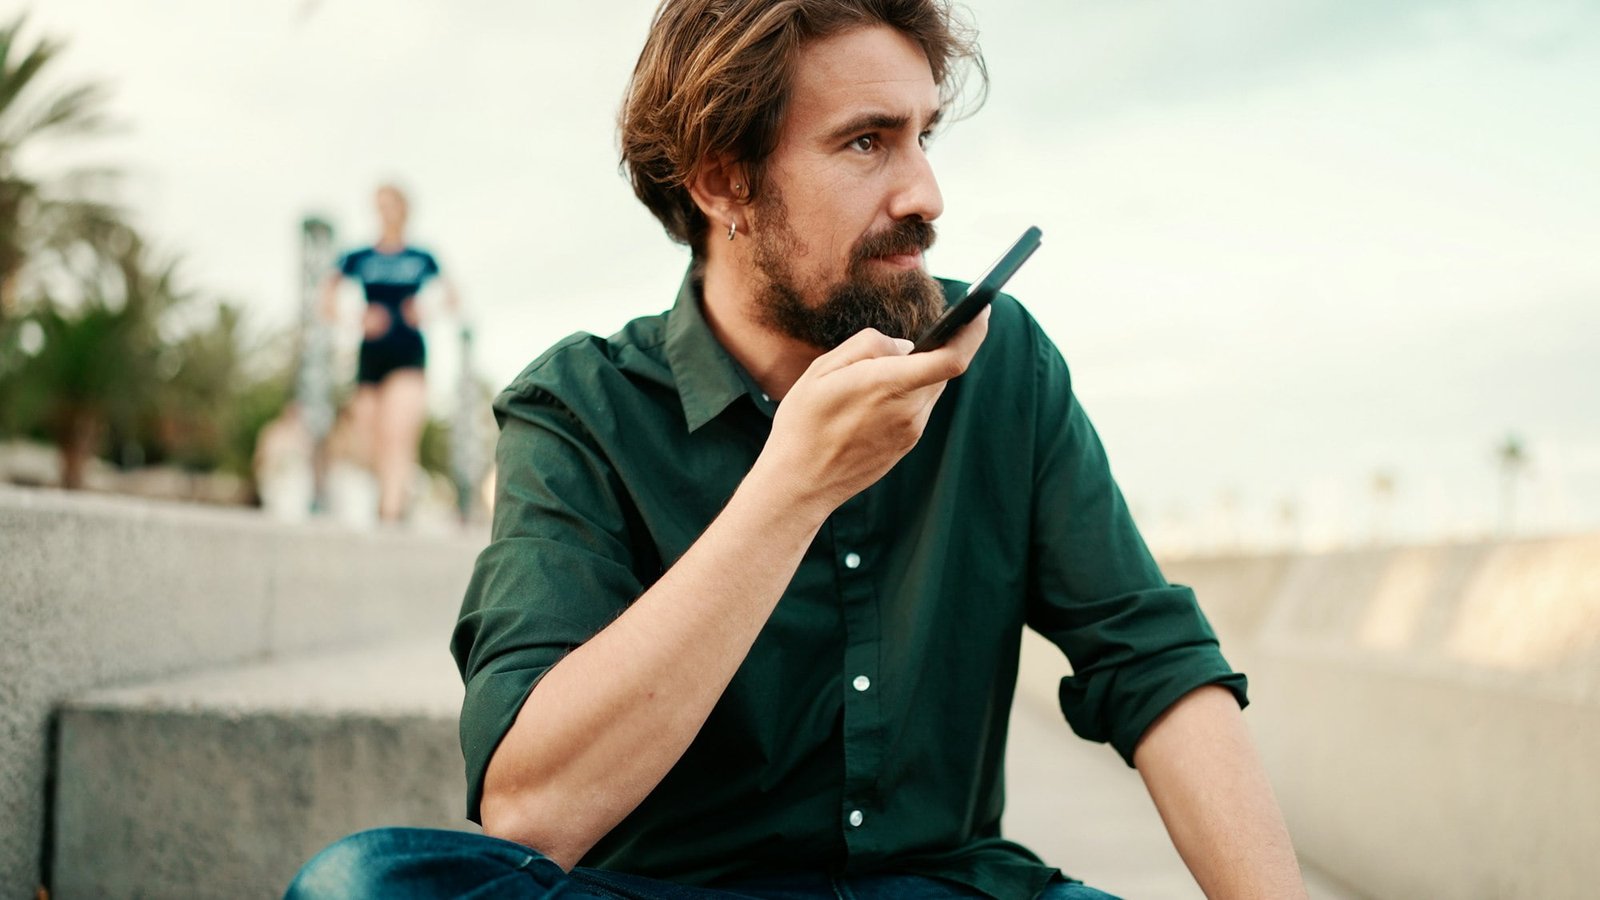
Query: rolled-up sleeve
(1136, 643)
(558, 569)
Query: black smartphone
(980, 293)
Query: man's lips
(911, 260)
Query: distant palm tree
(98, 366)
(1383, 487)
(1289, 523)
(1513, 459)
(90, 348)
(44, 215)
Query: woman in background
(390, 403)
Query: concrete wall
(98, 591)
(221, 784)
(1430, 716)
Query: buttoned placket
(863, 721)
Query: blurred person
(350, 488)
(749, 621)
(390, 403)
(283, 466)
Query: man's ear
(719, 187)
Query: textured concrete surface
(1430, 716)
(98, 591)
(221, 785)
(1413, 785)
(1076, 805)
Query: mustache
(903, 237)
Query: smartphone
(980, 293)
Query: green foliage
(45, 216)
(99, 342)
(434, 454)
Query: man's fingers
(868, 343)
(969, 339)
(944, 363)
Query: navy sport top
(389, 278)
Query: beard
(900, 304)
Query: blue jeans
(418, 863)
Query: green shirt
(866, 729)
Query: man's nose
(917, 190)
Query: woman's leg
(402, 409)
(362, 433)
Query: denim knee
(396, 863)
(341, 868)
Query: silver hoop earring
(732, 228)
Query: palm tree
(1513, 459)
(99, 363)
(87, 343)
(1383, 489)
(44, 215)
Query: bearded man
(749, 622)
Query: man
(749, 620)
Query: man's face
(848, 199)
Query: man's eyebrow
(877, 121)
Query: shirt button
(861, 683)
(766, 397)
(855, 818)
(852, 560)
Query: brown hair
(714, 75)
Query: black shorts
(400, 348)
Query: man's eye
(865, 143)
(924, 138)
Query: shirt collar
(708, 379)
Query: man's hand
(586, 749)
(857, 410)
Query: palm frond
(24, 113)
(78, 110)
(15, 80)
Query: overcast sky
(1287, 245)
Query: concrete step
(221, 784)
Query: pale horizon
(1284, 248)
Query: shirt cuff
(1117, 705)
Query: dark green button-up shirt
(866, 729)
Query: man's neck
(776, 361)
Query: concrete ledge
(98, 591)
(1412, 785)
(221, 785)
(1430, 716)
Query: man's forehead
(869, 70)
